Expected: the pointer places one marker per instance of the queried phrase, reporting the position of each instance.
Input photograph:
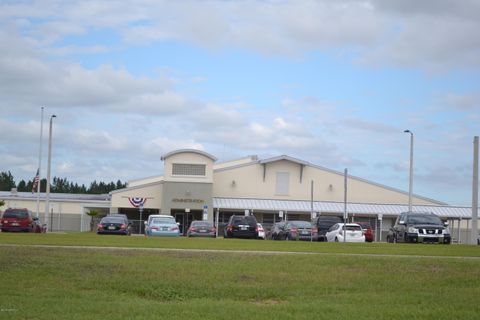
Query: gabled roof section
(142, 181)
(136, 187)
(236, 162)
(285, 157)
(203, 153)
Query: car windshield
(353, 228)
(163, 221)
(201, 224)
(423, 219)
(244, 220)
(113, 220)
(16, 214)
(299, 224)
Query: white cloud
(469, 101)
(432, 34)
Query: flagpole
(39, 164)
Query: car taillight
(213, 229)
(193, 229)
(123, 226)
(314, 230)
(100, 226)
(229, 227)
(174, 228)
(293, 230)
(154, 228)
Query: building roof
(9, 195)
(304, 206)
(226, 167)
(203, 153)
(287, 158)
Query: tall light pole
(410, 184)
(39, 165)
(47, 201)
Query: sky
(334, 83)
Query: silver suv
(419, 227)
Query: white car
(261, 231)
(354, 233)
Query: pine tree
(6, 181)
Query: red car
(367, 231)
(20, 220)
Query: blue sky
(330, 82)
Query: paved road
(239, 252)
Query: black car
(294, 230)
(323, 223)
(114, 225)
(418, 227)
(241, 227)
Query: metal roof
(287, 158)
(54, 196)
(338, 207)
(203, 153)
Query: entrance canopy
(368, 209)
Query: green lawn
(53, 283)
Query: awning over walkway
(302, 206)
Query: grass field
(60, 283)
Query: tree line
(58, 185)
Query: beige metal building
(195, 187)
(67, 211)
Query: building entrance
(185, 218)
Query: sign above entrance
(186, 200)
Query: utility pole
(47, 200)
(474, 233)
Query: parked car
(323, 223)
(20, 219)
(295, 230)
(261, 232)
(201, 229)
(164, 226)
(353, 233)
(367, 231)
(150, 217)
(418, 227)
(277, 230)
(241, 227)
(114, 225)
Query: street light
(410, 184)
(47, 201)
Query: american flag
(36, 180)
